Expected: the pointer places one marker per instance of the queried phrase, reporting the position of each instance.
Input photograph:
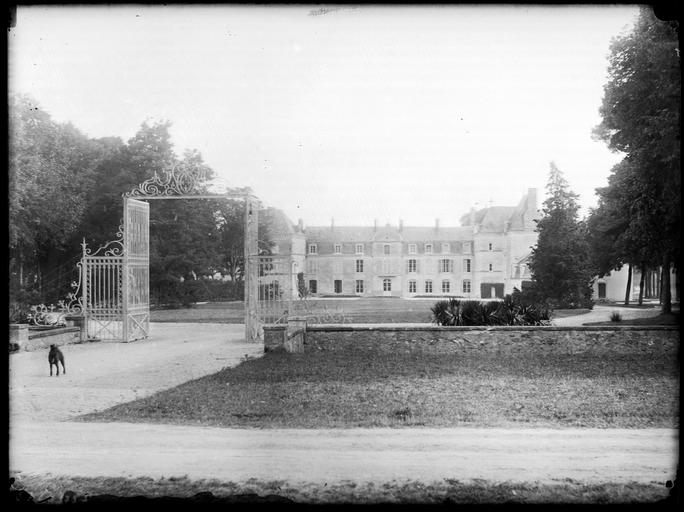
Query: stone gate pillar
(252, 327)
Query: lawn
(447, 491)
(364, 310)
(662, 319)
(342, 386)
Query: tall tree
(51, 175)
(619, 233)
(559, 261)
(641, 118)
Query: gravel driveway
(100, 375)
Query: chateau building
(485, 257)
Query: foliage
(302, 289)
(641, 118)
(559, 261)
(615, 317)
(174, 293)
(515, 309)
(65, 187)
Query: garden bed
(353, 382)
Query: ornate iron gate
(115, 279)
(136, 275)
(277, 289)
(102, 294)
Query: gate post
(252, 327)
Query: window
(412, 265)
(490, 267)
(412, 286)
(386, 285)
(359, 286)
(359, 265)
(412, 248)
(428, 248)
(466, 265)
(490, 246)
(313, 249)
(359, 248)
(466, 286)
(386, 249)
(338, 248)
(338, 286)
(446, 286)
(446, 248)
(313, 286)
(445, 265)
(428, 286)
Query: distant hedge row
(183, 293)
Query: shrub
(615, 317)
(517, 308)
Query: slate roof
(341, 234)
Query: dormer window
(338, 249)
(359, 248)
(428, 248)
(386, 249)
(313, 249)
(446, 248)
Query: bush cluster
(171, 292)
(518, 308)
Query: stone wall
(41, 339)
(563, 340)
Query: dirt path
(360, 455)
(99, 375)
(601, 313)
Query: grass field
(366, 310)
(446, 491)
(341, 386)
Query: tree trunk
(21, 269)
(666, 294)
(641, 284)
(628, 291)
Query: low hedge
(183, 293)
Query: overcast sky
(356, 113)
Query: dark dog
(55, 356)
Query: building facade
(485, 257)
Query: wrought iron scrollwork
(111, 248)
(181, 179)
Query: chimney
(375, 225)
(332, 222)
(472, 215)
(436, 224)
(401, 224)
(300, 225)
